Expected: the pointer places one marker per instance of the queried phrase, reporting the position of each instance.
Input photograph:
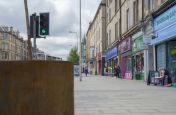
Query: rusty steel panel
(36, 88)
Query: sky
(64, 17)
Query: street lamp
(80, 44)
(76, 37)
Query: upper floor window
(5, 46)
(107, 3)
(151, 5)
(109, 15)
(4, 55)
(135, 12)
(116, 5)
(128, 18)
(116, 30)
(5, 36)
(109, 37)
(110, 1)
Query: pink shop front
(125, 48)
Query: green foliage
(73, 56)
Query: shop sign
(137, 44)
(164, 26)
(147, 39)
(111, 53)
(125, 45)
(128, 75)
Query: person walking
(86, 71)
(117, 71)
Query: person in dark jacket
(86, 71)
(167, 79)
(117, 71)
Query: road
(97, 95)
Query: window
(107, 42)
(135, 12)
(93, 53)
(128, 18)
(116, 30)
(109, 15)
(109, 37)
(151, 3)
(116, 5)
(110, 1)
(5, 46)
(5, 36)
(5, 55)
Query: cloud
(57, 46)
(64, 17)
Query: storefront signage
(111, 53)
(125, 45)
(137, 44)
(164, 26)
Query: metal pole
(77, 40)
(80, 67)
(28, 30)
(34, 34)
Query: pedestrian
(118, 71)
(86, 71)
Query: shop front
(137, 57)
(125, 60)
(111, 60)
(165, 41)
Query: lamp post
(80, 45)
(76, 37)
(28, 30)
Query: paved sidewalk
(97, 95)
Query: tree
(73, 56)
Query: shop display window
(139, 63)
(128, 64)
(173, 52)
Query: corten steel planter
(36, 88)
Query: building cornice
(165, 6)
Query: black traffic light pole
(34, 29)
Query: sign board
(147, 39)
(164, 26)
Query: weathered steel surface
(36, 88)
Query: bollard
(36, 88)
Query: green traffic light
(43, 30)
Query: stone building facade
(12, 45)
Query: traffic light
(44, 23)
(33, 18)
